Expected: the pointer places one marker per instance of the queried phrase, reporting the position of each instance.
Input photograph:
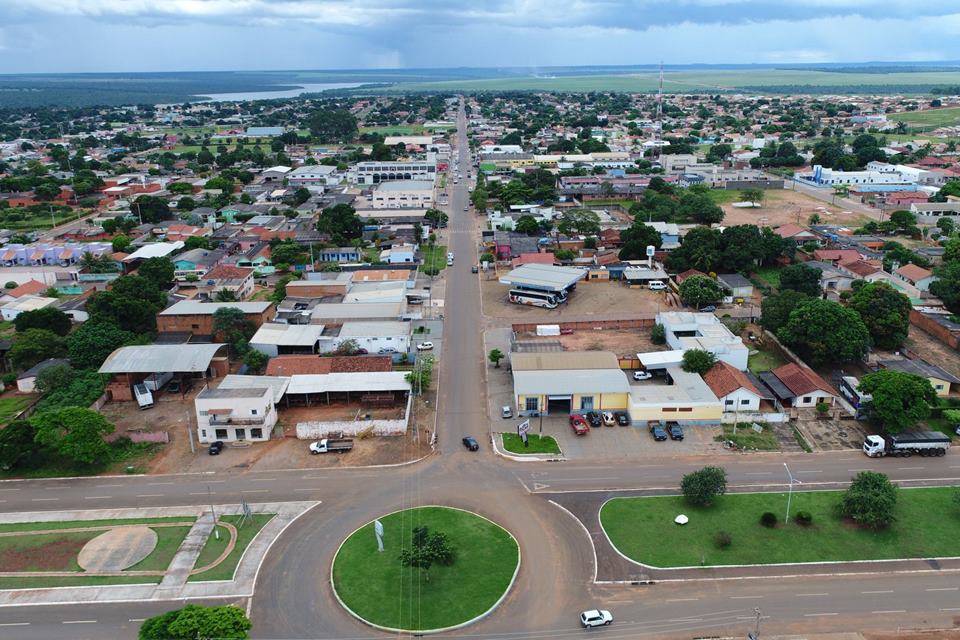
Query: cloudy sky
(173, 35)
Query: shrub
(702, 486)
(723, 539)
(658, 335)
(870, 501)
(804, 518)
(768, 519)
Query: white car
(608, 418)
(425, 346)
(595, 618)
(642, 375)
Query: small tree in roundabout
(701, 487)
(870, 501)
(428, 549)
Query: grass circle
(376, 588)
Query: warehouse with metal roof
(543, 277)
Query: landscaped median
(643, 529)
(536, 444)
(393, 590)
(213, 550)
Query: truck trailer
(922, 443)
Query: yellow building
(684, 398)
(940, 380)
(566, 382)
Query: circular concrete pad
(118, 548)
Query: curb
(418, 632)
(521, 457)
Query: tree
(636, 239)
(92, 342)
(120, 243)
(578, 221)
(495, 356)
(131, 303)
(700, 208)
(18, 446)
(775, 310)
(526, 225)
(698, 291)
(36, 345)
(823, 331)
(157, 270)
(75, 433)
(564, 255)
(301, 195)
(701, 487)
(658, 335)
(947, 285)
(341, 223)
(903, 219)
(194, 622)
(885, 311)
(900, 400)
(755, 196)
(195, 242)
(946, 225)
(231, 325)
(698, 361)
(55, 378)
(49, 318)
(870, 501)
(800, 277)
(951, 250)
(151, 209)
(225, 295)
(427, 549)
(255, 360)
(336, 125)
(701, 250)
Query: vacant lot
(926, 527)
(591, 300)
(782, 206)
(624, 342)
(932, 118)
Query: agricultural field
(934, 118)
(396, 130)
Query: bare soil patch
(782, 206)
(46, 552)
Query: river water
(289, 93)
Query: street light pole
(786, 520)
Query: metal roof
(920, 368)
(277, 384)
(569, 381)
(161, 358)
(545, 277)
(342, 382)
(773, 383)
(684, 388)
(564, 360)
(295, 335)
(154, 250)
(194, 308)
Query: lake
(288, 93)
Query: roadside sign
(523, 427)
(757, 427)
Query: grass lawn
(168, 541)
(395, 130)
(926, 527)
(764, 361)
(213, 547)
(79, 581)
(747, 438)
(123, 455)
(11, 405)
(72, 524)
(434, 259)
(44, 552)
(546, 444)
(770, 275)
(931, 117)
(376, 587)
(724, 196)
(609, 203)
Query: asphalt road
(294, 599)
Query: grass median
(537, 444)
(376, 587)
(643, 529)
(213, 547)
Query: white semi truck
(922, 443)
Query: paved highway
(293, 597)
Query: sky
(202, 35)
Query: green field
(926, 527)
(546, 444)
(931, 118)
(747, 438)
(770, 275)
(168, 541)
(764, 361)
(213, 547)
(724, 196)
(11, 405)
(396, 130)
(74, 524)
(434, 259)
(376, 587)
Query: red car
(579, 425)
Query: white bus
(849, 387)
(534, 298)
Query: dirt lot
(607, 300)
(933, 351)
(781, 206)
(623, 342)
(54, 552)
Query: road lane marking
(42, 499)
(17, 489)
(262, 479)
(814, 615)
(97, 497)
(204, 493)
(682, 600)
(79, 622)
(806, 595)
(13, 624)
(156, 484)
(944, 589)
(149, 495)
(685, 620)
(810, 471)
(872, 592)
(304, 489)
(136, 619)
(214, 481)
(891, 611)
(104, 486)
(910, 468)
(255, 491)
(744, 597)
(951, 609)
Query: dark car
(622, 417)
(710, 308)
(474, 269)
(676, 433)
(594, 419)
(471, 443)
(215, 448)
(657, 432)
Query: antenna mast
(658, 124)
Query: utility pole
(786, 520)
(756, 630)
(216, 532)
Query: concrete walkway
(175, 585)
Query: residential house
(399, 254)
(225, 277)
(831, 278)
(340, 254)
(238, 414)
(10, 310)
(193, 265)
(734, 389)
(797, 234)
(918, 277)
(940, 379)
(687, 330)
(196, 318)
(27, 381)
(736, 284)
(798, 387)
(382, 336)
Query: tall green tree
(231, 325)
(822, 331)
(194, 622)
(75, 433)
(333, 125)
(802, 278)
(885, 311)
(93, 341)
(698, 361)
(157, 270)
(775, 310)
(699, 291)
(341, 223)
(947, 285)
(701, 487)
(579, 222)
(49, 318)
(131, 303)
(870, 501)
(636, 239)
(900, 400)
(36, 345)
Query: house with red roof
(28, 288)
(534, 258)
(836, 256)
(796, 234)
(919, 277)
(798, 387)
(734, 389)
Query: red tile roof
(689, 273)
(533, 258)
(862, 268)
(28, 288)
(724, 379)
(913, 273)
(227, 272)
(789, 230)
(838, 255)
(801, 380)
(297, 365)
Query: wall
(737, 397)
(935, 329)
(202, 325)
(317, 430)
(590, 325)
(710, 414)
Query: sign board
(523, 427)
(378, 530)
(757, 427)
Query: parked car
(425, 346)
(658, 433)
(595, 618)
(467, 208)
(579, 425)
(506, 412)
(642, 375)
(622, 417)
(657, 285)
(474, 269)
(215, 448)
(710, 308)
(471, 443)
(594, 419)
(387, 350)
(608, 418)
(675, 431)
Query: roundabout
(379, 589)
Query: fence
(590, 325)
(942, 333)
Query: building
(798, 387)
(194, 264)
(376, 337)
(289, 365)
(230, 415)
(224, 277)
(931, 212)
(918, 277)
(831, 278)
(403, 194)
(544, 278)
(313, 176)
(273, 339)
(684, 398)
(735, 390)
(796, 234)
(687, 330)
(10, 310)
(399, 254)
(940, 380)
(736, 284)
(196, 318)
(133, 365)
(373, 172)
(568, 382)
(27, 381)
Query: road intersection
(293, 598)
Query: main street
(293, 597)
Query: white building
(931, 212)
(235, 414)
(377, 337)
(273, 339)
(403, 194)
(12, 309)
(313, 176)
(373, 172)
(687, 330)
